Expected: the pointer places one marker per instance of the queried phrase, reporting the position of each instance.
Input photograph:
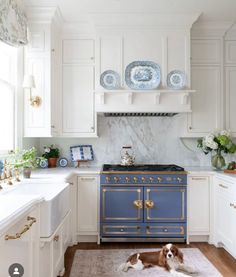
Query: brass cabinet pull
(232, 205)
(56, 238)
(199, 178)
(24, 230)
(149, 204)
(223, 186)
(87, 178)
(138, 204)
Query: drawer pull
(87, 178)
(223, 186)
(198, 178)
(122, 230)
(232, 205)
(24, 230)
(138, 204)
(149, 204)
(56, 238)
(165, 230)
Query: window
(8, 57)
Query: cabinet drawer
(121, 230)
(223, 186)
(166, 230)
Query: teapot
(127, 156)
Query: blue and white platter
(43, 163)
(176, 79)
(63, 162)
(110, 79)
(141, 75)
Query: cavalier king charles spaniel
(169, 257)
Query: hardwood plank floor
(223, 261)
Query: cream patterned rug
(105, 263)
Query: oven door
(165, 204)
(121, 204)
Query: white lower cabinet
(20, 244)
(87, 208)
(199, 207)
(225, 215)
(52, 250)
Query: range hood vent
(140, 114)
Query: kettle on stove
(127, 156)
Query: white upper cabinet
(43, 61)
(230, 52)
(78, 114)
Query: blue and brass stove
(143, 203)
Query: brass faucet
(7, 174)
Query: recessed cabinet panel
(230, 75)
(206, 51)
(205, 116)
(78, 51)
(78, 99)
(230, 52)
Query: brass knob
(179, 179)
(149, 204)
(108, 179)
(56, 238)
(165, 230)
(116, 179)
(127, 179)
(159, 179)
(151, 179)
(138, 204)
(122, 230)
(135, 179)
(143, 179)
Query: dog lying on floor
(169, 257)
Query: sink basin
(55, 206)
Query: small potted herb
(51, 153)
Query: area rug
(105, 263)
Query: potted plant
(51, 153)
(26, 159)
(218, 143)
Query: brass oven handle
(138, 204)
(149, 204)
(24, 230)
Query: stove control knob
(159, 179)
(116, 179)
(108, 179)
(143, 179)
(151, 179)
(179, 179)
(135, 179)
(127, 179)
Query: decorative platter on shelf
(43, 163)
(62, 162)
(143, 75)
(176, 79)
(110, 79)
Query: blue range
(143, 203)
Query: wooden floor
(225, 263)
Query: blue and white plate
(63, 162)
(110, 79)
(43, 163)
(143, 75)
(176, 79)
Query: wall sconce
(29, 83)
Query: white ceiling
(77, 10)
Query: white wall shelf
(126, 100)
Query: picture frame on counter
(81, 153)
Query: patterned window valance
(13, 23)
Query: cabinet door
(23, 250)
(121, 204)
(199, 205)
(78, 99)
(88, 205)
(230, 81)
(164, 204)
(205, 116)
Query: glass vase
(218, 161)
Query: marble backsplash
(154, 140)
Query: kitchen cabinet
(225, 215)
(52, 249)
(43, 61)
(199, 207)
(79, 119)
(23, 249)
(87, 207)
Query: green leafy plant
(51, 152)
(26, 158)
(219, 142)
